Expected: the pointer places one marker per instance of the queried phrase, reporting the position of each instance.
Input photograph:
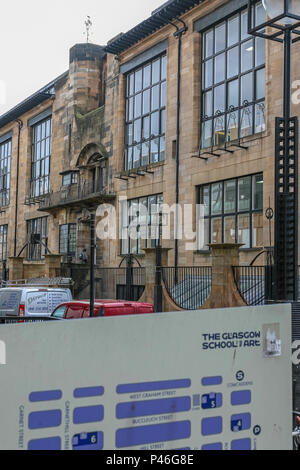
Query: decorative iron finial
(88, 25)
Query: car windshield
(59, 312)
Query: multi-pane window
(233, 81)
(67, 239)
(40, 158)
(233, 211)
(37, 237)
(70, 178)
(3, 242)
(146, 114)
(5, 160)
(141, 220)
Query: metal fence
(110, 283)
(255, 283)
(188, 287)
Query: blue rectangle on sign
(130, 437)
(88, 414)
(50, 443)
(212, 426)
(240, 422)
(211, 400)
(45, 396)
(44, 419)
(207, 381)
(88, 441)
(88, 392)
(216, 446)
(241, 444)
(153, 386)
(153, 407)
(241, 398)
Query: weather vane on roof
(88, 25)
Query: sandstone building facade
(180, 109)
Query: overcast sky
(35, 38)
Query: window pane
(155, 97)
(233, 62)
(247, 121)
(146, 127)
(146, 102)
(208, 66)
(163, 121)
(247, 51)
(208, 103)
(209, 43)
(229, 196)
(260, 84)
(163, 94)
(205, 199)
(162, 149)
(147, 76)
(244, 230)
(137, 130)
(138, 105)
(244, 26)
(220, 130)
(206, 134)
(244, 192)
(136, 156)
(216, 230)
(233, 94)
(229, 229)
(220, 68)
(233, 30)
(260, 51)
(129, 134)
(155, 124)
(257, 230)
(247, 88)
(219, 104)
(138, 80)
(220, 38)
(260, 118)
(145, 153)
(232, 126)
(156, 71)
(164, 67)
(154, 156)
(258, 192)
(216, 198)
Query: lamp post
(282, 24)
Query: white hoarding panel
(214, 379)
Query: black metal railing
(255, 283)
(188, 287)
(73, 193)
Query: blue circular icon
(240, 375)
(256, 430)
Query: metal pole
(92, 266)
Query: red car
(102, 308)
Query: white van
(31, 301)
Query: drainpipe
(178, 34)
(20, 125)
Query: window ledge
(245, 250)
